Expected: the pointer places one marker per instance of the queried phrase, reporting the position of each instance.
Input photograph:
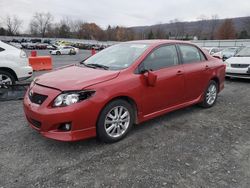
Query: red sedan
(120, 86)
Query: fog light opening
(65, 127)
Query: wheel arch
(128, 99)
(217, 80)
(9, 70)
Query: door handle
(179, 72)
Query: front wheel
(6, 79)
(210, 95)
(115, 121)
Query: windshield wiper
(94, 65)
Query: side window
(162, 57)
(191, 54)
(1, 49)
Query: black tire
(58, 53)
(7, 74)
(205, 103)
(102, 134)
(72, 52)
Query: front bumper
(47, 120)
(238, 72)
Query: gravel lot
(192, 147)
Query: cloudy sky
(125, 12)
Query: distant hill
(201, 29)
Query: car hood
(239, 60)
(75, 77)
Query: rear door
(169, 88)
(197, 71)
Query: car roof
(157, 42)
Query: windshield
(244, 52)
(230, 50)
(117, 57)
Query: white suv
(14, 65)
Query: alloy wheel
(117, 121)
(211, 94)
(5, 80)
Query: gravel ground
(192, 147)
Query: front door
(168, 90)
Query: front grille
(240, 65)
(37, 98)
(239, 75)
(35, 123)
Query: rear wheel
(115, 121)
(6, 79)
(210, 95)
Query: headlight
(33, 82)
(66, 99)
(227, 64)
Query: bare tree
(159, 32)
(63, 28)
(178, 28)
(213, 25)
(246, 24)
(40, 23)
(201, 23)
(75, 28)
(13, 24)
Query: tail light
(23, 54)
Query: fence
(222, 43)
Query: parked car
(227, 52)
(64, 50)
(14, 65)
(17, 45)
(122, 85)
(239, 65)
(51, 47)
(41, 46)
(212, 50)
(29, 45)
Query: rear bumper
(24, 73)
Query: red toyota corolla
(120, 86)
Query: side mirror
(151, 78)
